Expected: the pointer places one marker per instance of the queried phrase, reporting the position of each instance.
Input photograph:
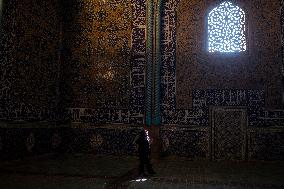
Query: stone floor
(92, 172)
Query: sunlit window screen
(226, 29)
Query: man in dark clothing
(144, 153)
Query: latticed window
(226, 29)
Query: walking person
(144, 151)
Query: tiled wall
(97, 52)
(25, 139)
(253, 98)
(21, 140)
(193, 143)
(30, 49)
(257, 68)
(71, 61)
(32, 89)
(109, 140)
(29, 75)
(103, 72)
(188, 110)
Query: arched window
(226, 29)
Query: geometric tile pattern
(35, 94)
(228, 134)
(178, 122)
(282, 41)
(196, 68)
(266, 145)
(30, 48)
(96, 62)
(116, 112)
(183, 139)
(109, 140)
(17, 143)
(193, 143)
(6, 56)
(198, 115)
(25, 140)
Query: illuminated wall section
(103, 60)
(244, 54)
(99, 42)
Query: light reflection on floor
(106, 172)
(139, 180)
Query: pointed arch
(227, 29)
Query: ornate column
(154, 13)
(149, 60)
(157, 63)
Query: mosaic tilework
(31, 41)
(266, 145)
(168, 81)
(202, 100)
(282, 32)
(192, 143)
(7, 38)
(40, 89)
(282, 45)
(35, 73)
(229, 134)
(198, 69)
(19, 141)
(115, 140)
(199, 113)
(157, 64)
(128, 105)
(24, 140)
(98, 64)
(137, 95)
(149, 60)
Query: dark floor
(89, 171)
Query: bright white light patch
(226, 29)
(140, 180)
(147, 135)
